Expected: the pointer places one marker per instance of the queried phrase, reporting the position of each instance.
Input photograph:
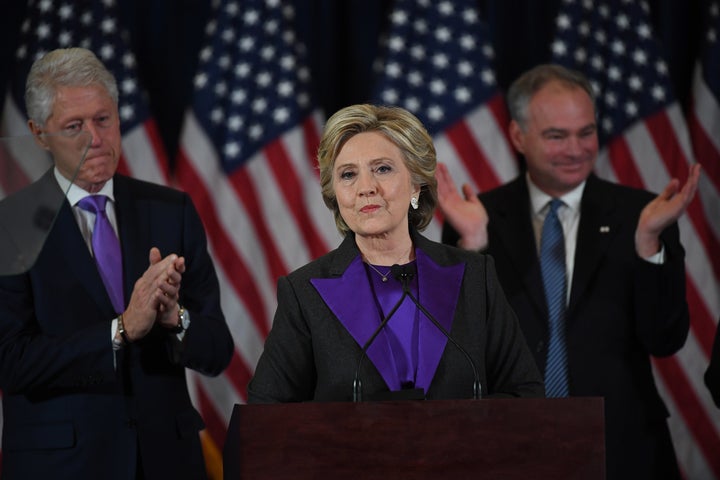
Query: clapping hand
(665, 209)
(466, 214)
(154, 296)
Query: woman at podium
(389, 314)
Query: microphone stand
(404, 276)
(357, 384)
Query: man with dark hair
(594, 270)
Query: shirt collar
(74, 193)
(540, 199)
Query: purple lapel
(439, 289)
(351, 300)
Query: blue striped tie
(552, 265)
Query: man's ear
(517, 136)
(37, 132)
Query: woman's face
(373, 187)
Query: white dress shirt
(569, 215)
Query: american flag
(704, 124)
(646, 143)
(92, 24)
(704, 116)
(438, 64)
(247, 158)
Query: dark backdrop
(342, 38)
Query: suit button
(131, 423)
(540, 346)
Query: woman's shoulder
(444, 254)
(314, 266)
(331, 264)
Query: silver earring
(414, 203)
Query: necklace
(384, 276)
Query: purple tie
(106, 249)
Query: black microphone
(405, 274)
(357, 384)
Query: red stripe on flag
(502, 117)
(623, 164)
(705, 234)
(666, 142)
(158, 147)
(159, 158)
(214, 424)
(701, 320)
(245, 189)
(292, 190)
(12, 177)
(312, 142)
(472, 156)
(241, 279)
(239, 373)
(696, 418)
(122, 167)
(705, 152)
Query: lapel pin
(604, 229)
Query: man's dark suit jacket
(621, 311)
(311, 355)
(68, 411)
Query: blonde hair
(400, 127)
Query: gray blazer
(311, 354)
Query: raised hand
(466, 214)
(665, 209)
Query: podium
(426, 439)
